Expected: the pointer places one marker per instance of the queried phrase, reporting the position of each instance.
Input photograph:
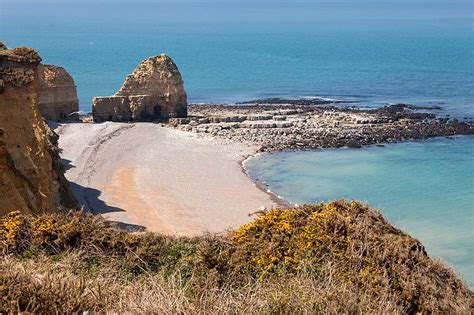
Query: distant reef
(154, 90)
(31, 177)
(281, 124)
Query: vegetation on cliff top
(20, 54)
(335, 257)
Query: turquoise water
(425, 188)
(415, 51)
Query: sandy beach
(145, 176)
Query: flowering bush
(334, 257)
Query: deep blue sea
(372, 51)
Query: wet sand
(162, 179)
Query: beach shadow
(52, 124)
(128, 226)
(55, 124)
(89, 198)
(66, 164)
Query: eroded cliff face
(57, 93)
(154, 90)
(31, 178)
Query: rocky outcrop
(57, 93)
(154, 90)
(31, 177)
(277, 127)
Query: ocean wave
(327, 99)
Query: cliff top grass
(335, 257)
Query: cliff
(31, 178)
(154, 90)
(57, 93)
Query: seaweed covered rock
(154, 90)
(57, 93)
(31, 178)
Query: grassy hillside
(336, 257)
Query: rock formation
(295, 126)
(154, 90)
(31, 178)
(57, 93)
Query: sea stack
(31, 177)
(57, 93)
(153, 91)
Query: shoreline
(172, 169)
(278, 200)
(174, 183)
(285, 203)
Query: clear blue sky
(235, 11)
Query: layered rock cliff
(154, 90)
(57, 93)
(31, 177)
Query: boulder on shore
(57, 93)
(153, 91)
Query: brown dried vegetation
(329, 258)
(27, 54)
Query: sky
(234, 11)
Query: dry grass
(22, 54)
(330, 258)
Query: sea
(374, 52)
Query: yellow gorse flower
(292, 235)
(10, 225)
